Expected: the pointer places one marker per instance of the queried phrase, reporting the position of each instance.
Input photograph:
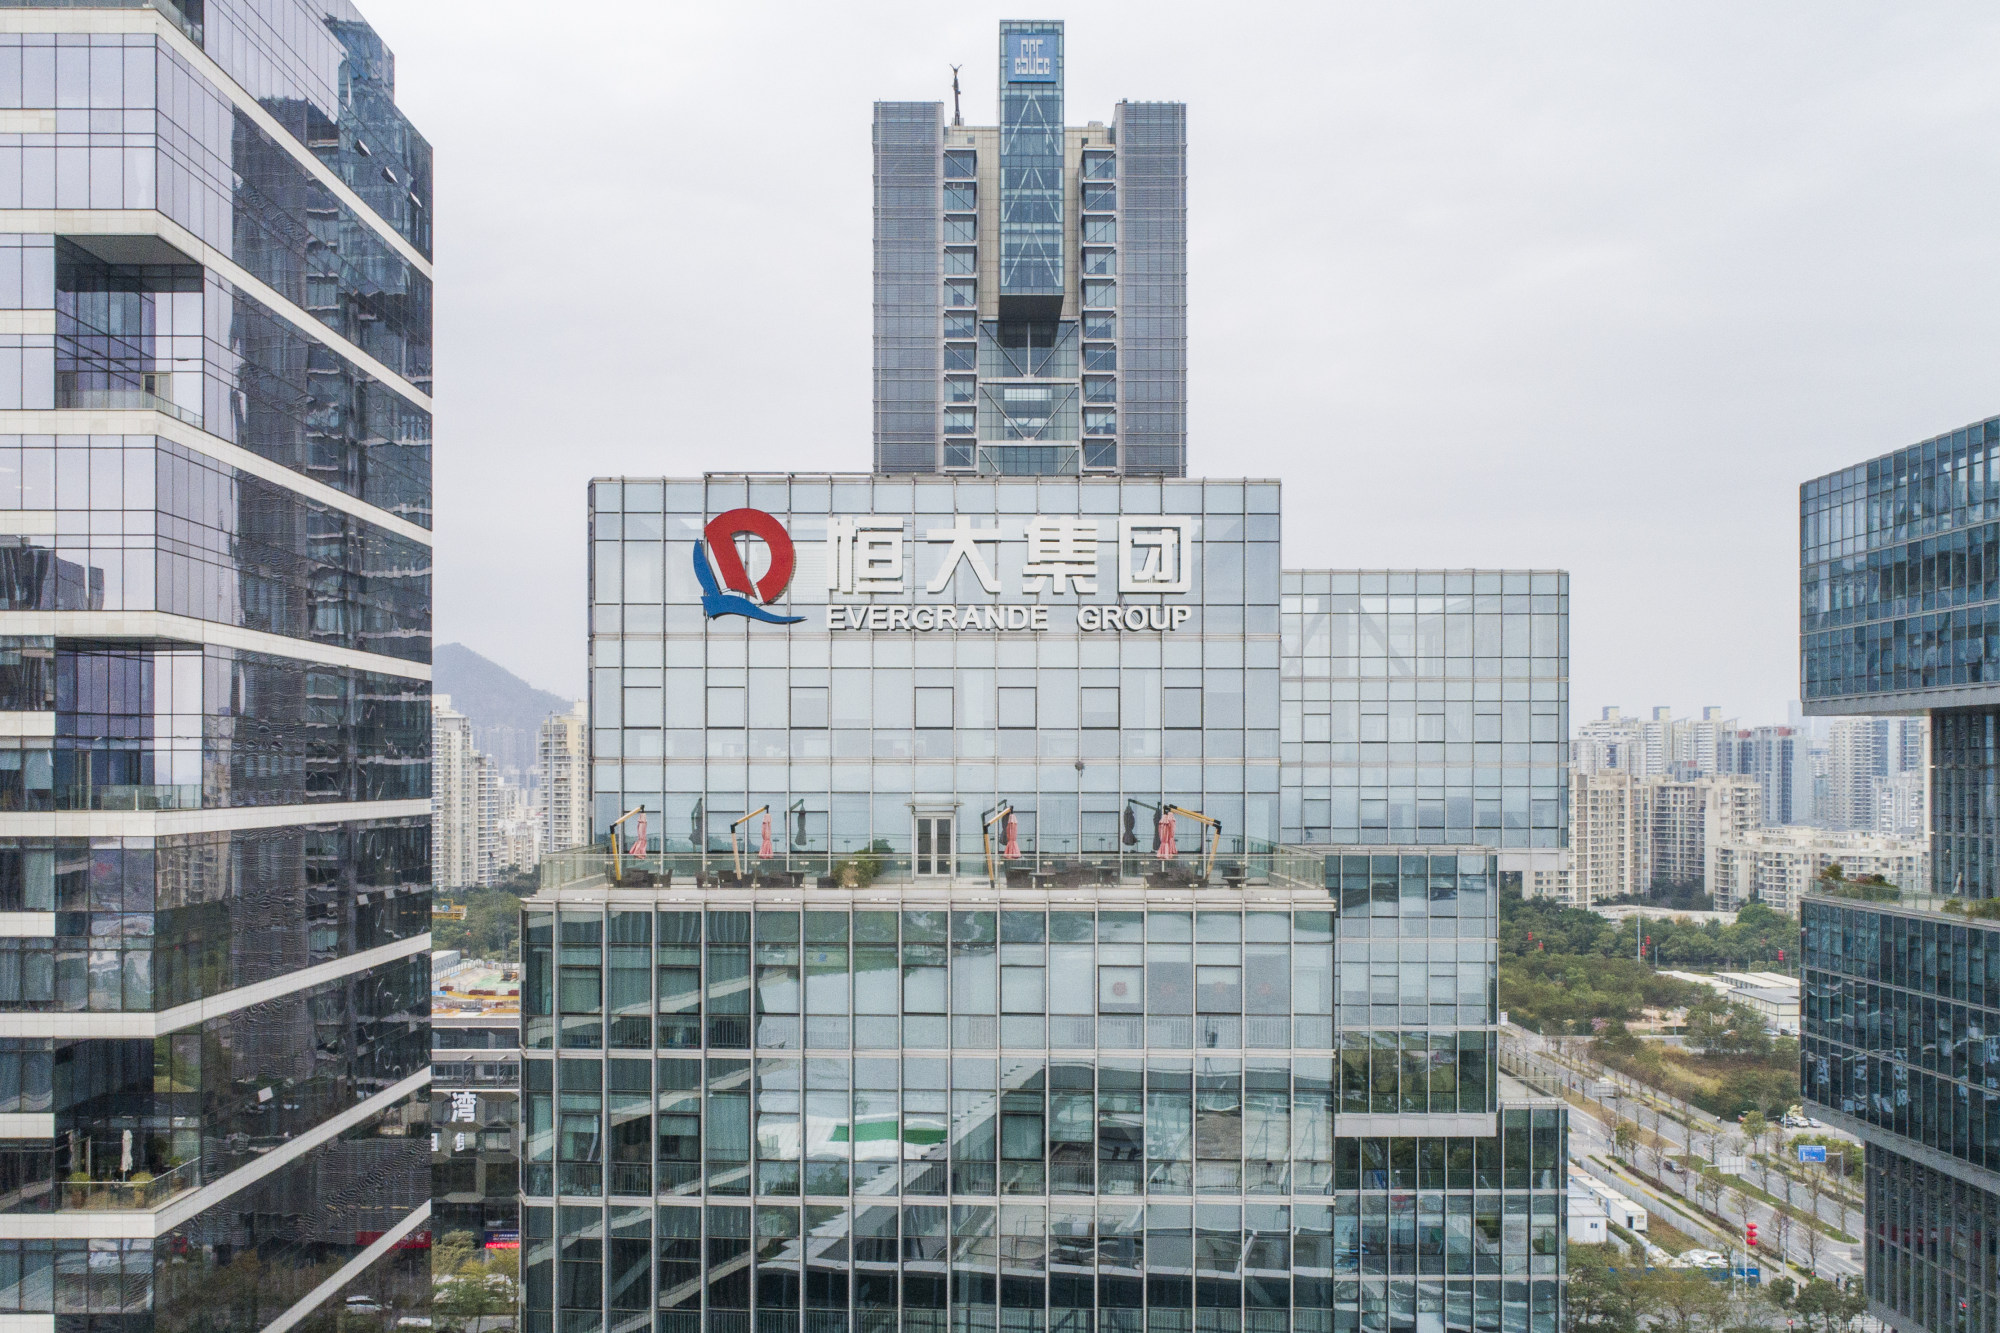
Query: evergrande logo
(719, 546)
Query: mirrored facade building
(1901, 1002)
(1428, 707)
(946, 957)
(1031, 281)
(214, 669)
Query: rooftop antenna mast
(956, 119)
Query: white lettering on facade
(1029, 60)
(1156, 554)
(964, 539)
(1061, 550)
(864, 555)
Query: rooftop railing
(1237, 862)
(1861, 893)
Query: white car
(363, 1303)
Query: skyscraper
(215, 637)
(953, 977)
(1031, 281)
(1902, 997)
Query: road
(1589, 1138)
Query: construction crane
(735, 840)
(1214, 842)
(617, 855)
(986, 823)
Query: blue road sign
(1812, 1152)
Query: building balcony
(138, 1192)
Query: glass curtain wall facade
(1086, 727)
(897, 1012)
(900, 1108)
(1007, 339)
(1900, 1010)
(214, 668)
(1427, 707)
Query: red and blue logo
(721, 534)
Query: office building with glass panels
(215, 627)
(1031, 281)
(1427, 707)
(898, 1012)
(1900, 613)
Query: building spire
(956, 119)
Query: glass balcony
(136, 1192)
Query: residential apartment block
(562, 758)
(1776, 866)
(1638, 835)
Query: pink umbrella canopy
(1167, 848)
(639, 842)
(1012, 849)
(764, 843)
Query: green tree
(484, 1285)
(1755, 1128)
(1683, 1300)
(1708, 1024)
(1601, 1296)
(453, 1251)
(1822, 1306)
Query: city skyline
(1558, 245)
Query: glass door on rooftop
(933, 844)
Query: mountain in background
(506, 711)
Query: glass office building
(901, 1018)
(1031, 281)
(1902, 999)
(1427, 707)
(214, 668)
(851, 734)
(944, 960)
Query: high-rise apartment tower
(562, 753)
(1031, 281)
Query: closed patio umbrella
(639, 841)
(764, 843)
(1012, 849)
(1167, 849)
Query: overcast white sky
(1585, 285)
